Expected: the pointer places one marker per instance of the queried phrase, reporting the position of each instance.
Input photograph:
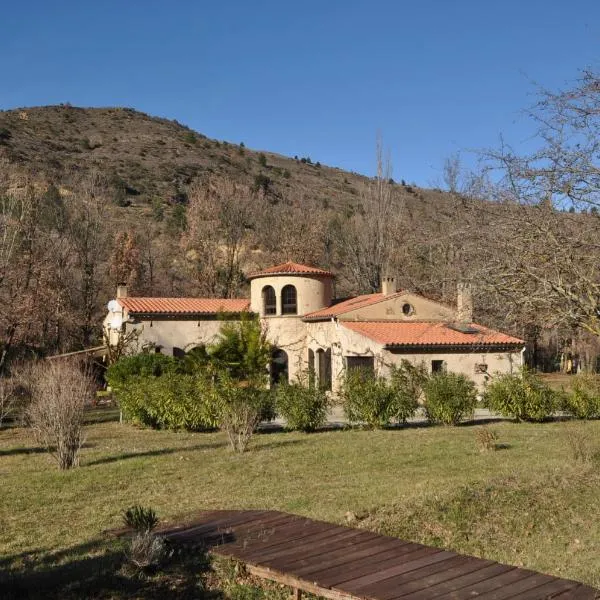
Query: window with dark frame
(269, 301)
(289, 300)
(438, 366)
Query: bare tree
(541, 257)
(367, 240)
(220, 217)
(59, 391)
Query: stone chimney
(388, 285)
(121, 290)
(464, 303)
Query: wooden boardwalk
(342, 563)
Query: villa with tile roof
(309, 329)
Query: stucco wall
(313, 293)
(497, 362)
(391, 309)
(288, 333)
(179, 334)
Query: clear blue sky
(316, 78)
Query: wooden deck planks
(342, 563)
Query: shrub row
(525, 397)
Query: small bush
(242, 408)
(581, 444)
(407, 381)
(523, 397)
(262, 160)
(584, 400)
(146, 551)
(375, 401)
(303, 406)
(486, 439)
(59, 392)
(140, 518)
(449, 398)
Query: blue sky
(312, 78)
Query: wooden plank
(414, 564)
(317, 540)
(226, 519)
(499, 581)
(582, 592)
(292, 582)
(314, 554)
(548, 590)
(338, 575)
(260, 536)
(461, 581)
(418, 579)
(508, 591)
(336, 557)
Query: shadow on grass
(32, 450)
(158, 452)
(15, 451)
(100, 570)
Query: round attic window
(407, 309)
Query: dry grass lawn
(530, 503)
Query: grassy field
(529, 503)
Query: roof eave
(472, 347)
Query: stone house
(308, 328)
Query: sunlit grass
(322, 475)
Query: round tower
(289, 290)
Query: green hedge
(584, 400)
(523, 396)
(375, 401)
(449, 398)
(304, 407)
(172, 401)
(141, 365)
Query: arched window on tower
(289, 300)
(269, 301)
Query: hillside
(148, 158)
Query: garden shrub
(242, 406)
(173, 401)
(375, 401)
(449, 398)
(142, 365)
(584, 400)
(407, 381)
(523, 397)
(303, 406)
(140, 518)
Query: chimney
(388, 285)
(121, 290)
(464, 303)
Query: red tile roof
(351, 304)
(291, 268)
(419, 333)
(183, 306)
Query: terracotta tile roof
(419, 333)
(183, 306)
(291, 268)
(347, 305)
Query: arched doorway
(279, 366)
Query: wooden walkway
(342, 563)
